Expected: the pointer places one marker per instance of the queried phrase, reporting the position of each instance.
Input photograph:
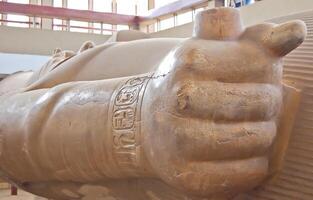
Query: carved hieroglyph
(126, 117)
(201, 125)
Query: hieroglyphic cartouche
(126, 110)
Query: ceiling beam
(66, 13)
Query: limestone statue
(152, 119)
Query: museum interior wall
(252, 14)
(42, 42)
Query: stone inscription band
(125, 125)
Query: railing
(83, 27)
(19, 22)
(66, 14)
(147, 23)
(35, 12)
(171, 11)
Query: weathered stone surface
(296, 178)
(200, 124)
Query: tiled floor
(5, 195)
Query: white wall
(42, 42)
(28, 49)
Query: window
(102, 5)
(122, 27)
(107, 28)
(19, 1)
(167, 23)
(36, 2)
(18, 20)
(57, 3)
(78, 26)
(75, 4)
(126, 7)
(57, 24)
(160, 3)
(184, 18)
(157, 26)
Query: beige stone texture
(197, 118)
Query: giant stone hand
(204, 122)
(211, 109)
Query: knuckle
(190, 55)
(183, 93)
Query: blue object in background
(239, 3)
(247, 2)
